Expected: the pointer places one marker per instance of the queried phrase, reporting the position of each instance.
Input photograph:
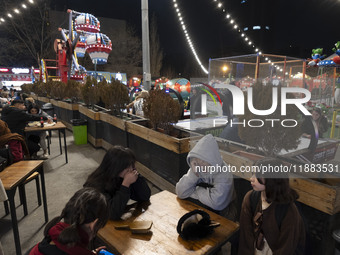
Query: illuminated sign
(4, 70)
(20, 70)
(119, 77)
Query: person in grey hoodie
(207, 182)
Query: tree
(156, 53)
(126, 54)
(169, 71)
(27, 37)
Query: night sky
(300, 26)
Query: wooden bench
(15, 176)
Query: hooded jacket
(16, 119)
(45, 247)
(220, 184)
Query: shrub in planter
(101, 87)
(162, 110)
(72, 91)
(90, 92)
(48, 87)
(272, 137)
(38, 88)
(115, 96)
(58, 89)
(27, 88)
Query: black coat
(118, 199)
(16, 119)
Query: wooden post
(257, 68)
(303, 74)
(333, 123)
(334, 79)
(284, 69)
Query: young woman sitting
(71, 232)
(117, 178)
(270, 222)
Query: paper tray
(136, 227)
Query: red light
(36, 71)
(4, 70)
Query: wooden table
(58, 126)
(14, 175)
(165, 209)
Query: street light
(224, 69)
(146, 45)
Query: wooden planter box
(94, 125)
(114, 129)
(163, 154)
(43, 100)
(65, 111)
(34, 96)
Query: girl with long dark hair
(117, 178)
(71, 232)
(270, 222)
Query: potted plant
(38, 89)
(72, 91)
(115, 97)
(161, 110)
(159, 147)
(27, 88)
(90, 92)
(65, 111)
(272, 137)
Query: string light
(16, 10)
(243, 34)
(188, 37)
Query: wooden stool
(22, 192)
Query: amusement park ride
(82, 36)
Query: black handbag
(195, 225)
(3, 163)
(6, 154)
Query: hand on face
(129, 176)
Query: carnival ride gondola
(81, 37)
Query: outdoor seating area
(116, 140)
(64, 178)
